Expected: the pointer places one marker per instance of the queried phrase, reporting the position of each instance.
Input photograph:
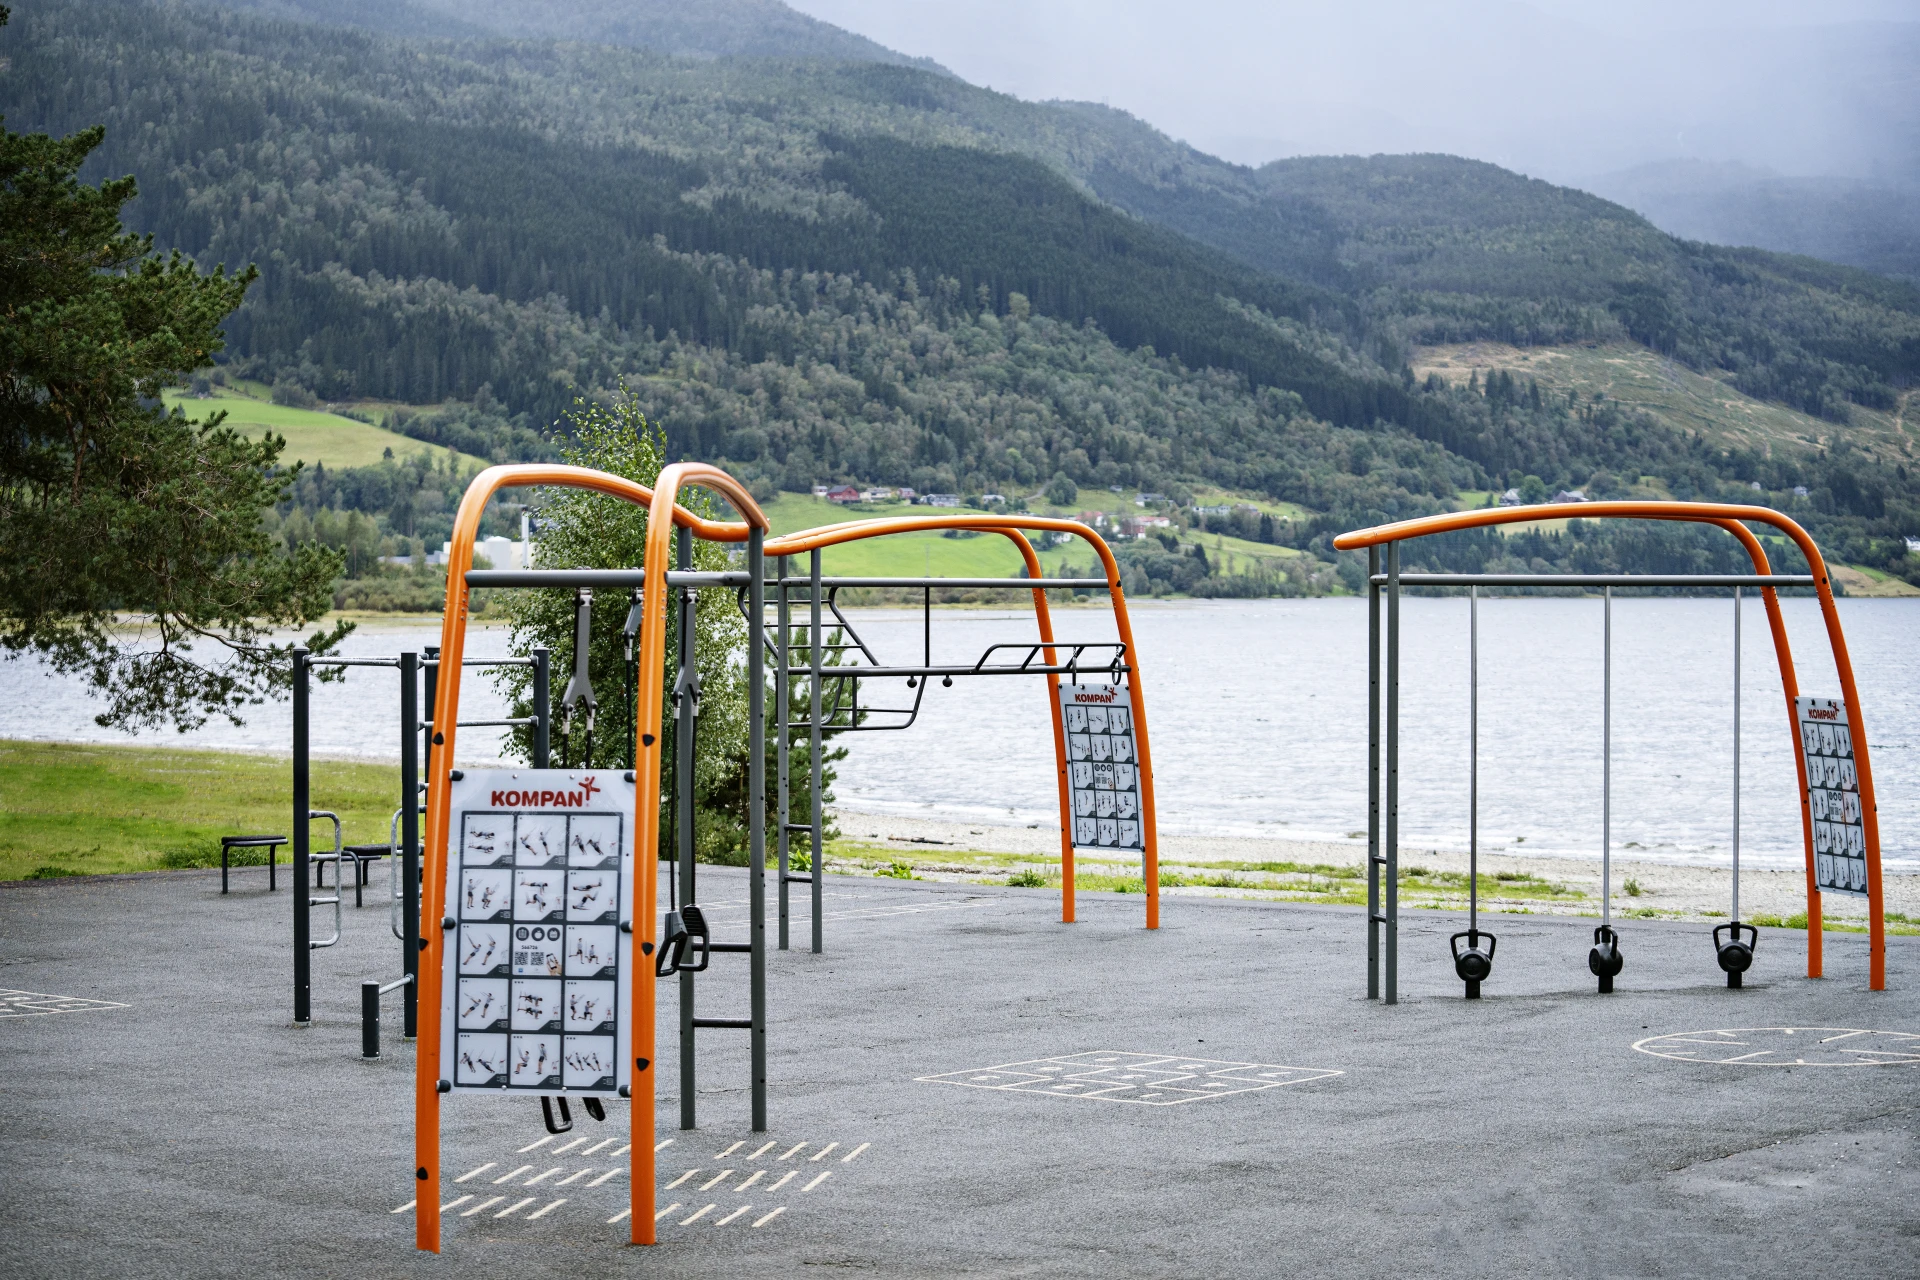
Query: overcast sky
(1559, 89)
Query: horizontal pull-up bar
(997, 669)
(610, 578)
(353, 662)
(1598, 580)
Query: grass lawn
(908, 554)
(71, 809)
(312, 436)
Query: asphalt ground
(191, 1130)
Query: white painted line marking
(770, 1217)
(1848, 1036)
(757, 1175)
(762, 1151)
(488, 1203)
(785, 1178)
(721, 1222)
(664, 1212)
(722, 1155)
(476, 1172)
(541, 1213)
(697, 1215)
(1747, 1057)
(568, 1147)
(798, 1147)
(508, 1177)
(618, 1216)
(817, 1181)
(658, 1146)
(573, 1177)
(532, 1145)
(822, 1153)
(408, 1205)
(848, 1158)
(516, 1207)
(453, 1203)
(604, 1142)
(538, 1176)
(611, 1173)
(682, 1178)
(716, 1179)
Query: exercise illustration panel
(1833, 794)
(1102, 766)
(538, 975)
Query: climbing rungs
(737, 1024)
(790, 878)
(742, 947)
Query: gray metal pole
(302, 933)
(1606, 759)
(757, 820)
(1736, 754)
(1473, 761)
(410, 838)
(783, 730)
(1373, 774)
(1391, 948)
(814, 641)
(683, 739)
(542, 706)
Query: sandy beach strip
(1672, 891)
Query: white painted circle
(1787, 1047)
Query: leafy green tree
(1061, 490)
(582, 530)
(132, 547)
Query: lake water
(1257, 711)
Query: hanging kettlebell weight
(1473, 965)
(1605, 960)
(1735, 956)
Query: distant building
(1913, 546)
(842, 493)
(1141, 526)
(1570, 495)
(498, 552)
(1149, 499)
(1511, 498)
(905, 494)
(943, 499)
(878, 495)
(986, 498)
(820, 490)
(1799, 491)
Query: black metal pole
(757, 822)
(542, 706)
(410, 838)
(1392, 867)
(302, 952)
(370, 1019)
(684, 704)
(814, 641)
(1373, 775)
(783, 735)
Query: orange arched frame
(1016, 528)
(1728, 516)
(665, 514)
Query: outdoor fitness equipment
(403, 848)
(1473, 965)
(1829, 734)
(653, 580)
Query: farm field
(312, 435)
(1636, 376)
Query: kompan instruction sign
(538, 976)
(1833, 794)
(1102, 766)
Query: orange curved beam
(433, 885)
(857, 530)
(1728, 516)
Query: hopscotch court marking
(1144, 1079)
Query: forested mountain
(709, 29)
(840, 269)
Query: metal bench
(270, 843)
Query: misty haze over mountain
(1700, 114)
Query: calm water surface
(1257, 711)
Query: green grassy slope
(312, 435)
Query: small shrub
(51, 873)
(1027, 878)
(1632, 887)
(896, 870)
